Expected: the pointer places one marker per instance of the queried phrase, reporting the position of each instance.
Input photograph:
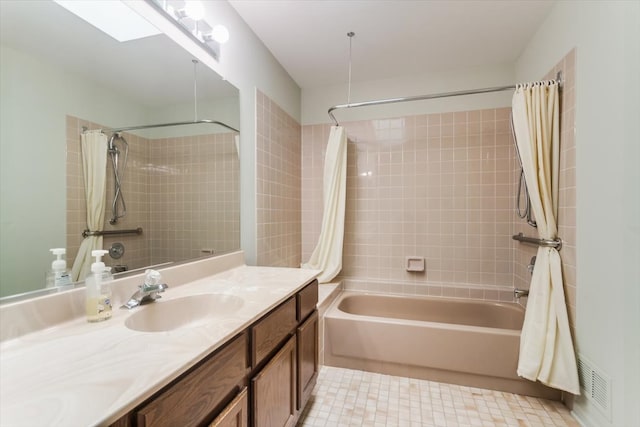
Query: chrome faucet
(147, 292)
(519, 293)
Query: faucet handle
(152, 282)
(152, 277)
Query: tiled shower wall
(567, 196)
(278, 185)
(443, 187)
(438, 186)
(183, 192)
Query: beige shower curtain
(546, 348)
(94, 166)
(327, 256)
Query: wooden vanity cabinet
(263, 377)
(281, 387)
(198, 395)
(201, 392)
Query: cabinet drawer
(271, 330)
(235, 414)
(201, 392)
(306, 300)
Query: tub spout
(519, 293)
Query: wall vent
(595, 385)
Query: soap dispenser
(98, 284)
(58, 276)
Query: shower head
(118, 173)
(112, 147)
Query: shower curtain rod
(162, 125)
(424, 97)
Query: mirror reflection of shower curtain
(546, 348)
(94, 167)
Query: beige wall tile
(429, 192)
(279, 182)
(441, 186)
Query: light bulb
(220, 34)
(194, 9)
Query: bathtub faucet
(519, 293)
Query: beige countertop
(79, 374)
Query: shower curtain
(327, 256)
(94, 166)
(546, 348)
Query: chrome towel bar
(87, 233)
(547, 243)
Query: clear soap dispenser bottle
(98, 284)
(58, 276)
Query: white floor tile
(350, 398)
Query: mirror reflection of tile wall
(183, 192)
(194, 203)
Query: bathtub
(466, 342)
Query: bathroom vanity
(252, 364)
(263, 376)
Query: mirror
(59, 74)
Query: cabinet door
(274, 390)
(307, 335)
(234, 415)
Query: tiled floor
(344, 397)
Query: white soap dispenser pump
(58, 275)
(98, 289)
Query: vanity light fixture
(111, 17)
(194, 9)
(189, 15)
(220, 33)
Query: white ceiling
(393, 37)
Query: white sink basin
(194, 310)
